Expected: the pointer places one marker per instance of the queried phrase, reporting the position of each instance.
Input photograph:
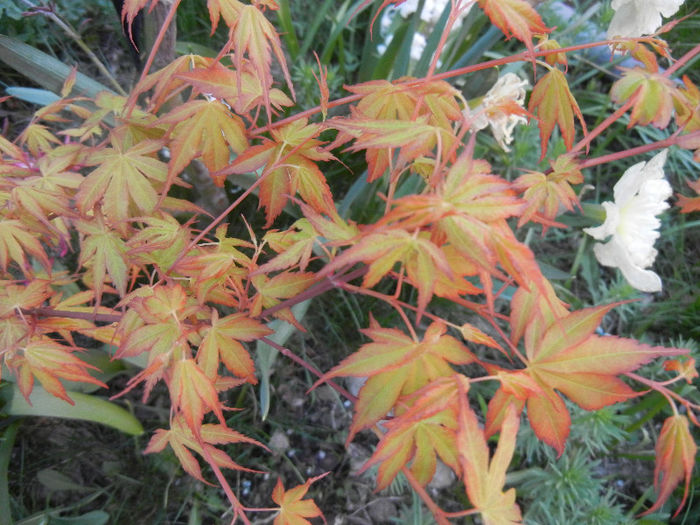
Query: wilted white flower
(640, 17)
(640, 195)
(501, 108)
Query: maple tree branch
(437, 512)
(328, 283)
(682, 61)
(238, 509)
(291, 355)
(131, 101)
(523, 56)
(70, 314)
(666, 392)
(585, 141)
(659, 144)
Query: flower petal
(614, 254)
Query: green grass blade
(284, 17)
(311, 33)
(342, 19)
(7, 441)
(403, 60)
(86, 408)
(266, 355)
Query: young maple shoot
(189, 303)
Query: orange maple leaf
(206, 129)
(270, 290)
(221, 342)
(690, 204)
(126, 182)
(515, 17)
(49, 362)
(291, 166)
(425, 428)
(16, 242)
(555, 105)
(485, 479)
(293, 509)
(180, 438)
(566, 356)
(251, 34)
(397, 365)
(103, 251)
(419, 256)
(546, 194)
(675, 459)
(192, 393)
(222, 83)
(652, 94)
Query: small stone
(279, 443)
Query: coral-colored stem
(583, 143)
(131, 102)
(291, 355)
(665, 143)
(682, 61)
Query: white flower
(640, 17)
(501, 108)
(640, 195)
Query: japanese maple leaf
(424, 428)
(293, 509)
(396, 365)
(166, 82)
(48, 195)
(180, 438)
(515, 17)
(291, 166)
(192, 393)
(652, 94)
(253, 36)
(690, 204)
(49, 361)
(125, 181)
(413, 115)
(419, 256)
(221, 342)
(16, 242)
(293, 245)
(485, 479)
(568, 357)
(104, 251)
(206, 129)
(271, 290)
(217, 268)
(221, 82)
(545, 194)
(555, 105)
(675, 459)
(130, 9)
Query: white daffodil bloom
(501, 108)
(631, 223)
(635, 18)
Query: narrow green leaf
(87, 408)
(7, 441)
(266, 355)
(43, 69)
(40, 97)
